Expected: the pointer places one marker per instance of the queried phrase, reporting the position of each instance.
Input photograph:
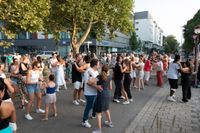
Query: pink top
(147, 66)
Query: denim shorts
(33, 88)
(14, 81)
(6, 130)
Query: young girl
(50, 97)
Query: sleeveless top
(21, 71)
(34, 77)
(51, 90)
(4, 123)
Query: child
(50, 97)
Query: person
(77, 78)
(60, 74)
(53, 63)
(7, 113)
(118, 76)
(172, 75)
(159, 72)
(32, 80)
(186, 72)
(50, 97)
(90, 90)
(127, 81)
(140, 73)
(147, 70)
(103, 98)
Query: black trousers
(118, 88)
(186, 91)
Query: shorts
(6, 130)
(146, 75)
(77, 85)
(15, 81)
(50, 98)
(33, 88)
(173, 83)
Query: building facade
(147, 30)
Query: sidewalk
(162, 116)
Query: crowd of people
(90, 77)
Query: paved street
(70, 116)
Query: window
(136, 29)
(137, 22)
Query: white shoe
(75, 102)
(86, 124)
(116, 101)
(109, 124)
(131, 100)
(81, 100)
(40, 111)
(174, 96)
(126, 102)
(28, 117)
(96, 131)
(171, 99)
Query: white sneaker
(86, 124)
(28, 117)
(116, 101)
(126, 102)
(131, 100)
(174, 96)
(96, 131)
(109, 124)
(40, 111)
(171, 99)
(75, 102)
(81, 100)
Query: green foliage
(84, 16)
(23, 15)
(171, 44)
(133, 41)
(189, 32)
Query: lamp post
(196, 41)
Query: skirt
(50, 98)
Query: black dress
(103, 97)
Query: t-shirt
(76, 75)
(172, 72)
(147, 66)
(88, 90)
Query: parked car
(46, 54)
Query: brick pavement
(162, 116)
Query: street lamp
(196, 41)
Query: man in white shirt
(90, 89)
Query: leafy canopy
(171, 44)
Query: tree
(133, 41)
(171, 44)
(79, 17)
(23, 15)
(189, 32)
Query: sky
(170, 15)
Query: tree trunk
(74, 40)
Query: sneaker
(131, 100)
(75, 102)
(116, 101)
(109, 124)
(96, 131)
(81, 100)
(40, 111)
(126, 102)
(28, 117)
(93, 117)
(171, 99)
(86, 124)
(122, 97)
(174, 96)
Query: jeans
(90, 100)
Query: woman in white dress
(60, 75)
(140, 73)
